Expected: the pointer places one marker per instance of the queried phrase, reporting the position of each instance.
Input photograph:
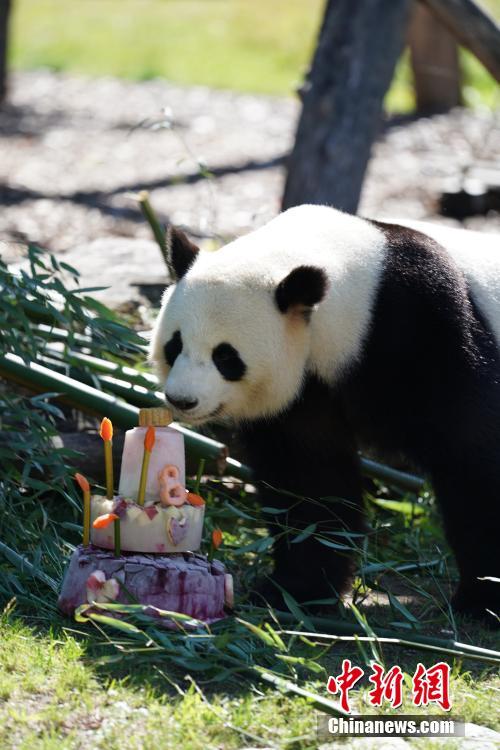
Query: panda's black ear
(303, 288)
(181, 252)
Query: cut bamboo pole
(79, 392)
(490, 657)
(156, 228)
(343, 629)
(86, 398)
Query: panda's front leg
(309, 452)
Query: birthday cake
(142, 545)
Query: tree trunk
(434, 58)
(4, 28)
(358, 47)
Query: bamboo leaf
(274, 511)
(84, 613)
(400, 607)
(305, 534)
(275, 636)
(301, 661)
(257, 631)
(294, 607)
(335, 545)
(238, 512)
(406, 507)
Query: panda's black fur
(425, 387)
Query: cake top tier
(156, 417)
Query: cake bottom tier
(187, 583)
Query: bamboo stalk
(81, 396)
(286, 686)
(106, 433)
(156, 228)
(340, 627)
(494, 658)
(53, 333)
(129, 374)
(149, 441)
(392, 476)
(85, 487)
(144, 398)
(140, 396)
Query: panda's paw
(266, 594)
(479, 602)
(273, 592)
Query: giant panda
(321, 334)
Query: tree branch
(473, 28)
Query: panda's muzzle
(182, 404)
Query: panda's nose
(183, 404)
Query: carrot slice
(82, 482)
(216, 538)
(106, 431)
(102, 521)
(149, 438)
(195, 500)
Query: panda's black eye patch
(173, 348)
(228, 362)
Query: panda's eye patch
(173, 348)
(228, 362)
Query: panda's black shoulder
(420, 278)
(424, 303)
(414, 259)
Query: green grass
(52, 697)
(246, 45)
(249, 46)
(55, 696)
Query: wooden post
(473, 28)
(434, 58)
(5, 6)
(359, 45)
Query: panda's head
(233, 335)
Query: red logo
(388, 686)
(344, 682)
(430, 685)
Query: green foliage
(39, 298)
(39, 507)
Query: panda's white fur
(228, 295)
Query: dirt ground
(74, 151)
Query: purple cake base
(186, 583)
